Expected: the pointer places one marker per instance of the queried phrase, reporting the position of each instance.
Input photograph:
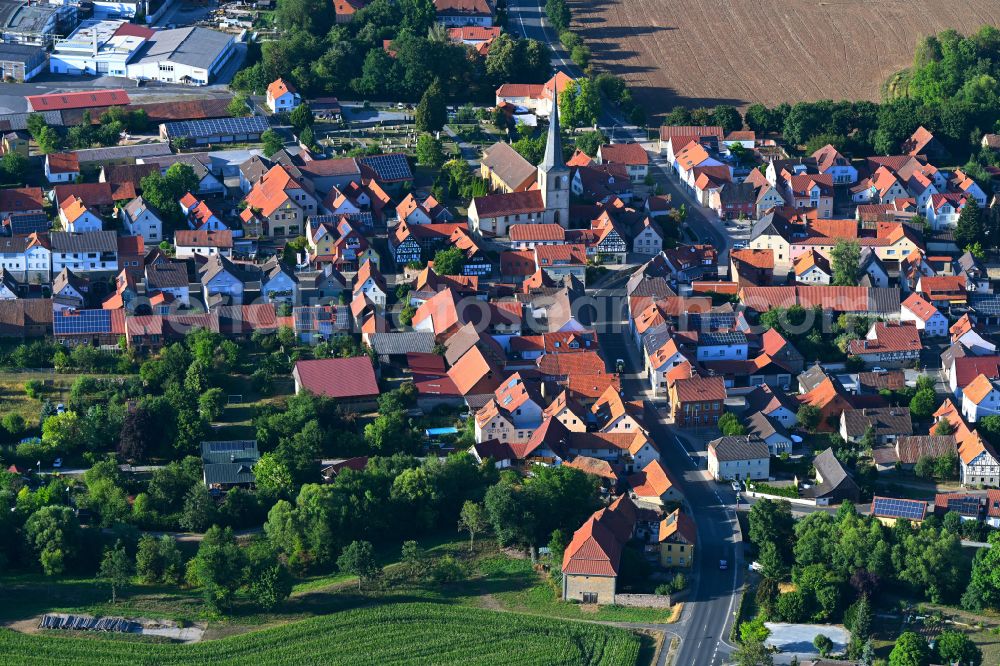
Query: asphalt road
(527, 17)
(706, 621)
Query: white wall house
(77, 218)
(980, 398)
(92, 252)
(927, 318)
(282, 96)
(722, 347)
(62, 168)
(278, 285)
(138, 219)
(942, 211)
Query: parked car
(736, 486)
(57, 463)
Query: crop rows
(394, 634)
(707, 52)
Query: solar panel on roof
(967, 506)
(81, 322)
(27, 223)
(389, 167)
(891, 507)
(226, 447)
(214, 126)
(986, 304)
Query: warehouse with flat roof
(190, 55)
(182, 55)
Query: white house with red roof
(534, 97)
(279, 203)
(943, 210)
(464, 12)
(980, 398)
(888, 344)
(62, 167)
(282, 96)
(631, 154)
(927, 318)
(512, 414)
(830, 161)
(76, 217)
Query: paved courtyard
(797, 639)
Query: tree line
(324, 58)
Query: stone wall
(643, 600)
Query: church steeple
(553, 143)
(553, 174)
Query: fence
(800, 500)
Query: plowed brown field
(707, 52)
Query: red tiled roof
(652, 481)
(537, 232)
(560, 255)
(565, 365)
(597, 546)
(339, 377)
(463, 7)
(17, 199)
(201, 238)
(678, 524)
(668, 132)
(624, 153)
(902, 337)
(76, 100)
(756, 258)
(511, 203)
(279, 87)
(700, 389)
(63, 163)
(473, 33)
(916, 304)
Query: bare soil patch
(708, 52)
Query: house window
(589, 597)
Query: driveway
(797, 639)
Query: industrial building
(183, 55)
(21, 62)
(191, 56)
(25, 22)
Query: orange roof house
(344, 10)
(697, 401)
(751, 267)
(827, 398)
(677, 536)
(595, 553)
(654, 485)
(282, 96)
(475, 373)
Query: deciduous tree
(472, 520)
(116, 569)
(358, 558)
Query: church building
(547, 201)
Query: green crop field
(391, 634)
